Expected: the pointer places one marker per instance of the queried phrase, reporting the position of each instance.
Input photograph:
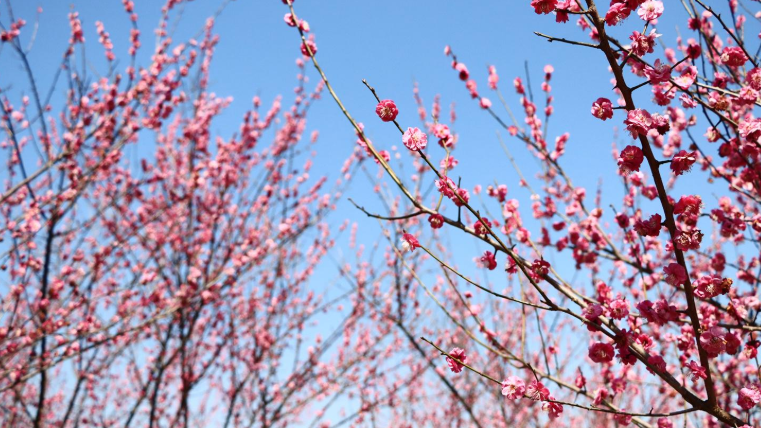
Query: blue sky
(391, 44)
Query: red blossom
(386, 110)
(601, 352)
(683, 161)
(308, 46)
(649, 227)
(409, 243)
(436, 221)
(544, 6)
(630, 159)
(602, 109)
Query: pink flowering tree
(658, 326)
(173, 288)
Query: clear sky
(391, 44)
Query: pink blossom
(540, 268)
(446, 186)
(733, 56)
(687, 101)
(688, 207)
(493, 77)
(553, 409)
(459, 354)
(288, 18)
(650, 10)
(536, 391)
(481, 227)
(462, 70)
(660, 123)
(658, 363)
(687, 78)
(659, 73)
(638, 122)
(749, 130)
(753, 79)
(460, 197)
(618, 309)
(696, 370)
(485, 103)
(622, 419)
(592, 312)
(713, 341)
(659, 313)
(675, 275)
(749, 396)
(643, 44)
(513, 388)
(414, 139)
(617, 13)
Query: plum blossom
(409, 243)
(650, 10)
(675, 275)
(617, 13)
(660, 312)
(733, 56)
(488, 261)
(696, 370)
(709, 286)
(687, 78)
(553, 409)
(713, 341)
(414, 139)
(643, 44)
(749, 396)
(513, 388)
(601, 352)
(688, 240)
(649, 227)
(659, 73)
(436, 221)
(682, 161)
(602, 109)
(312, 47)
(630, 159)
(638, 122)
(386, 110)
(537, 391)
(543, 7)
(459, 354)
(618, 309)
